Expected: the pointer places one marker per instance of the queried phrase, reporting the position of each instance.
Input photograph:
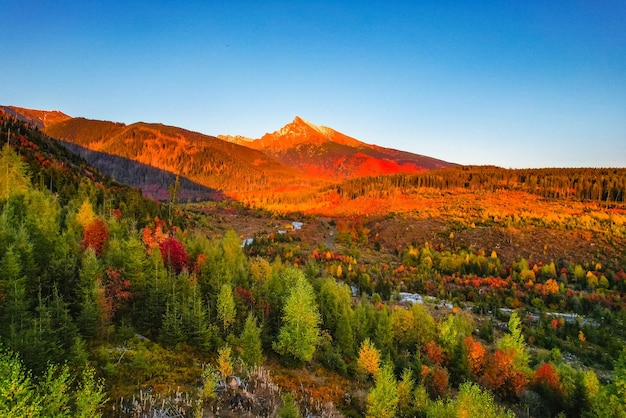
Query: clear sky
(511, 83)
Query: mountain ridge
(322, 151)
(299, 155)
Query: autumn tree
(369, 358)
(225, 361)
(299, 332)
(95, 235)
(174, 254)
(475, 355)
(501, 376)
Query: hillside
(320, 151)
(505, 287)
(200, 158)
(39, 119)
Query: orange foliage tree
(547, 376)
(433, 352)
(475, 355)
(95, 235)
(502, 377)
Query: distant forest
(584, 184)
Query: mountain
(299, 156)
(203, 159)
(39, 119)
(323, 152)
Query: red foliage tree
(116, 290)
(95, 235)
(174, 254)
(244, 295)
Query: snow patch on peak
(321, 129)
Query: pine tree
(382, 400)
(299, 333)
(250, 341)
(17, 395)
(14, 177)
(226, 310)
(90, 396)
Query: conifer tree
(226, 310)
(382, 401)
(250, 341)
(299, 332)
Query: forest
(112, 304)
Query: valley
(281, 262)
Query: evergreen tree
(226, 310)
(90, 396)
(13, 173)
(17, 395)
(250, 341)
(299, 333)
(382, 400)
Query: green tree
(382, 401)
(472, 401)
(250, 341)
(90, 396)
(13, 173)
(299, 332)
(513, 342)
(17, 395)
(92, 316)
(619, 377)
(337, 313)
(226, 310)
(171, 329)
(55, 389)
(288, 408)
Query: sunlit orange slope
(324, 152)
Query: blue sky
(509, 83)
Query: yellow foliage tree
(224, 362)
(85, 215)
(369, 358)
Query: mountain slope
(203, 159)
(324, 152)
(36, 118)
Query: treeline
(584, 184)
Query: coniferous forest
(114, 304)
